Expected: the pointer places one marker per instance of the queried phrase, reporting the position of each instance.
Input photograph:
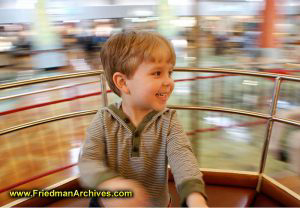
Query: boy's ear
(119, 80)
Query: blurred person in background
(285, 140)
(23, 44)
(85, 37)
(220, 43)
(236, 40)
(251, 43)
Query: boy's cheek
(172, 87)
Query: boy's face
(151, 86)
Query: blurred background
(43, 38)
(205, 33)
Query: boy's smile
(150, 87)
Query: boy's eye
(157, 73)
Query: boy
(130, 144)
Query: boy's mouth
(163, 96)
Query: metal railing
(271, 116)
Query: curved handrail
(177, 69)
(52, 78)
(222, 109)
(47, 90)
(239, 72)
(203, 108)
(47, 120)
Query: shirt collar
(117, 110)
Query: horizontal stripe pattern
(108, 147)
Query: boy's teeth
(162, 95)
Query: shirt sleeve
(183, 162)
(92, 160)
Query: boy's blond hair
(125, 51)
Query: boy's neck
(135, 115)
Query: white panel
(116, 11)
(136, 2)
(86, 3)
(15, 15)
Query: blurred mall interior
(48, 38)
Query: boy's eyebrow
(155, 68)
(160, 68)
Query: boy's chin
(159, 108)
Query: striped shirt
(115, 147)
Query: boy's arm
(184, 166)
(92, 162)
(196, 199)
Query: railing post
(269, 130)
(103, 89)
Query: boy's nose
(168, 81)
